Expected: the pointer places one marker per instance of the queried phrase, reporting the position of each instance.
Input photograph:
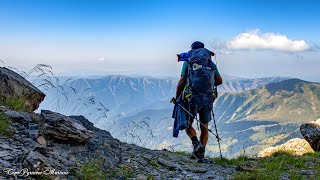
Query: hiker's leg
(204, 134)
(190, 131)
(205, 118)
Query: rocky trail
(70, 150)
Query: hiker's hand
(173, 100)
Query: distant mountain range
(124, 95)
(292, 100)
(251, 113)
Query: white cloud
(101, 59)
(254, 40)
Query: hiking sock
(194, 138)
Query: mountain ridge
(261, 101)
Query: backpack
(201, 73)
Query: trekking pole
(218, 139)
(197, 121)
(195, 117)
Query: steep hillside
(291, 100)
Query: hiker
(197, 88)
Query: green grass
(96, 171)
(242, 159)
(280, 163)
(154, 162)
(92, 171)
(5, 129)
(15, 104)
(282, 152)
(123, 171)
(182, 153)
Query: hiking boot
(193, 156)
(201, 158)
(205, 161)
(197, 148)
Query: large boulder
(17, 91)
(311, 132)
(64, 128)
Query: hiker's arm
(180, 85)
(218, 80)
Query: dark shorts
(202, 105)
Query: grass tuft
(240, 160)
(124, 172)
(5, 129)
(14, 103)
(282, 152)
(92, 171)
(281, 164)
(182, 153)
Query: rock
(4, 154)
(304, 172)
(284, 177)
(311, 132)
(18, 116)
(6, 146)
(3, 108)
(41, 140)
(141, 177)
(7, 158)
(148, 157)
(196, 169)
(43, 150)
(85, 122)
(168, 163)
(93, 144)
(64, 128)
(89, 126)
(33, 131)
(30, 144)
(34, 161)
(297, 146)
(5, 164)
(15, 87)
(141, 161)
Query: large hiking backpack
(201, 72)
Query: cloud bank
(254, 40)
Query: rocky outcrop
(64, 128)
(311, 132)
(16, 88)
(296, 146)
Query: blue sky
(77, 37)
